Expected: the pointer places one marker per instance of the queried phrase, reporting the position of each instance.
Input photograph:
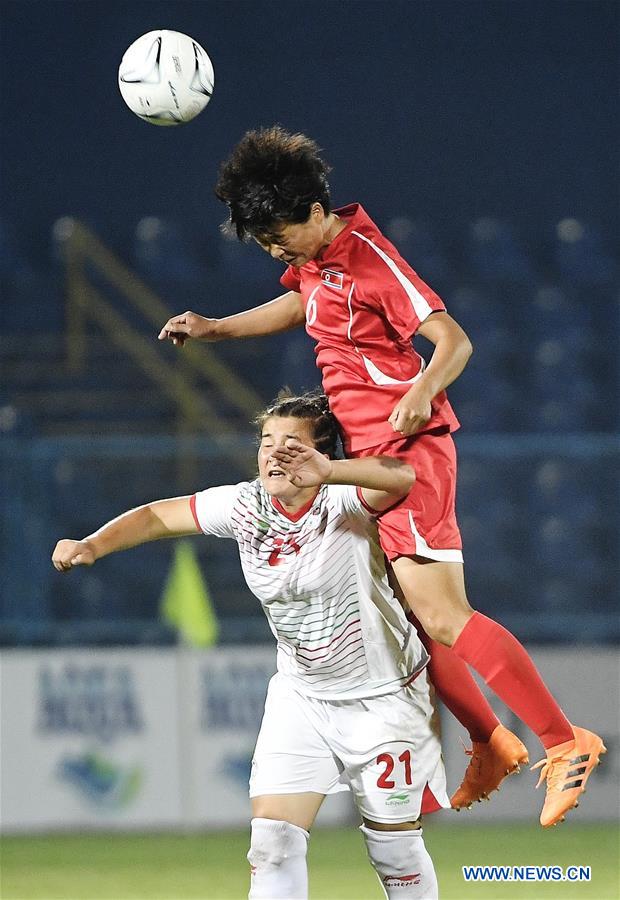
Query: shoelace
(552, 771)
(469, 774)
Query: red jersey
(363, 306)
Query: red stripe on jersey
(192, 506)
(378, 512)
(415, 675)
(336, 659)
(367, 506)
(333, 640)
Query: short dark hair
(271, 179)
(313, 406)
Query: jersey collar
(296, 516)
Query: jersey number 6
(386, 759)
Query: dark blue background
(451, 114)
(453, 109)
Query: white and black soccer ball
(166, 78)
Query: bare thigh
(393, 826)
(435, 593)
(297, 809)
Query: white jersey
(320, 577)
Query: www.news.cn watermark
(527, 873)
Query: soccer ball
(166, 78)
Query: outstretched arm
(383, 479)
(163, 518)
(282, 314)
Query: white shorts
(385, 749)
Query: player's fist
(68, 554)
(410, 414)
(188, 325)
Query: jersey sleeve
(213, 510)
(395, 290)
(348, 501)
(291, 279)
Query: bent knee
(273, 841)
(443, 628)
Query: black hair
(312, 406)
(271, 179)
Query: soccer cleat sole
(515, 770)
(503, 756)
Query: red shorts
(424, 523)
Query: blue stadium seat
(15, 422)
(495, 253)
(475, 310)
(13, 259)
(578, 407)
(560, 594)
(162, 251)
(298, 363)
(560, 487)
(418, 244)
(247, 265)
(550, 309)
(484, 401)
(584, 598)
(564, 547)
(40, 301)
(495, 350)
(487, 484)
(604, 310)
(492, 566)
(555, 367)
(580, 254)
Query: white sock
(402, 862)
(277, 856)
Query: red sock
(457, 688)
(506, 667)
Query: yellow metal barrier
(175, 380)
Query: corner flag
(185, 601)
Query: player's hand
(68, 554)
(303, 466)
(411, 413)
(188, 325)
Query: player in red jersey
(363, 304)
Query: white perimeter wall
(163, 738)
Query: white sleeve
(213, 510)
(347, 500)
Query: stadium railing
(539, 514)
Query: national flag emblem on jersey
(332, 279)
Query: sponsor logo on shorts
(392, 881)
(398, 799)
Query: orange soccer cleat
(490, 763)
(566, 770)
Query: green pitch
(213, 866)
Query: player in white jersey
(349, 706)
